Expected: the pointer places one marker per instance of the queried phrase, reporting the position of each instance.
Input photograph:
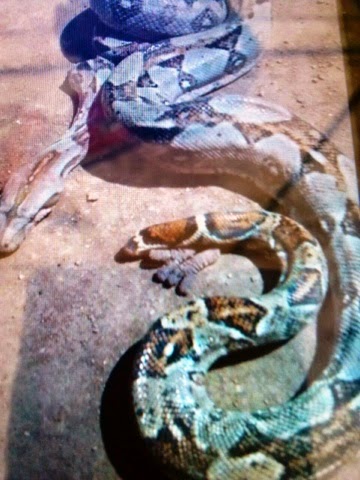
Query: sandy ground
(69, 311)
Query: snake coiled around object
(180, 51)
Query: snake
(158, 82)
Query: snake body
(160, 91)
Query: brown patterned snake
(159, 90)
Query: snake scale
(157, 83)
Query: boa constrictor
(158, 90)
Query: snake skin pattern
(159, 90)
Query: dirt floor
(70, 311)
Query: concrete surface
(69, 311)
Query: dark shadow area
(349, 17)
(77, 37)
(123, 445)
(77, 40)
(66, 343)
(235, 358)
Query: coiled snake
(159, 90)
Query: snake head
(12, 225)
(21, 208)
(12, 233)
(14, 228)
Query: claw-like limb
(181, 266)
